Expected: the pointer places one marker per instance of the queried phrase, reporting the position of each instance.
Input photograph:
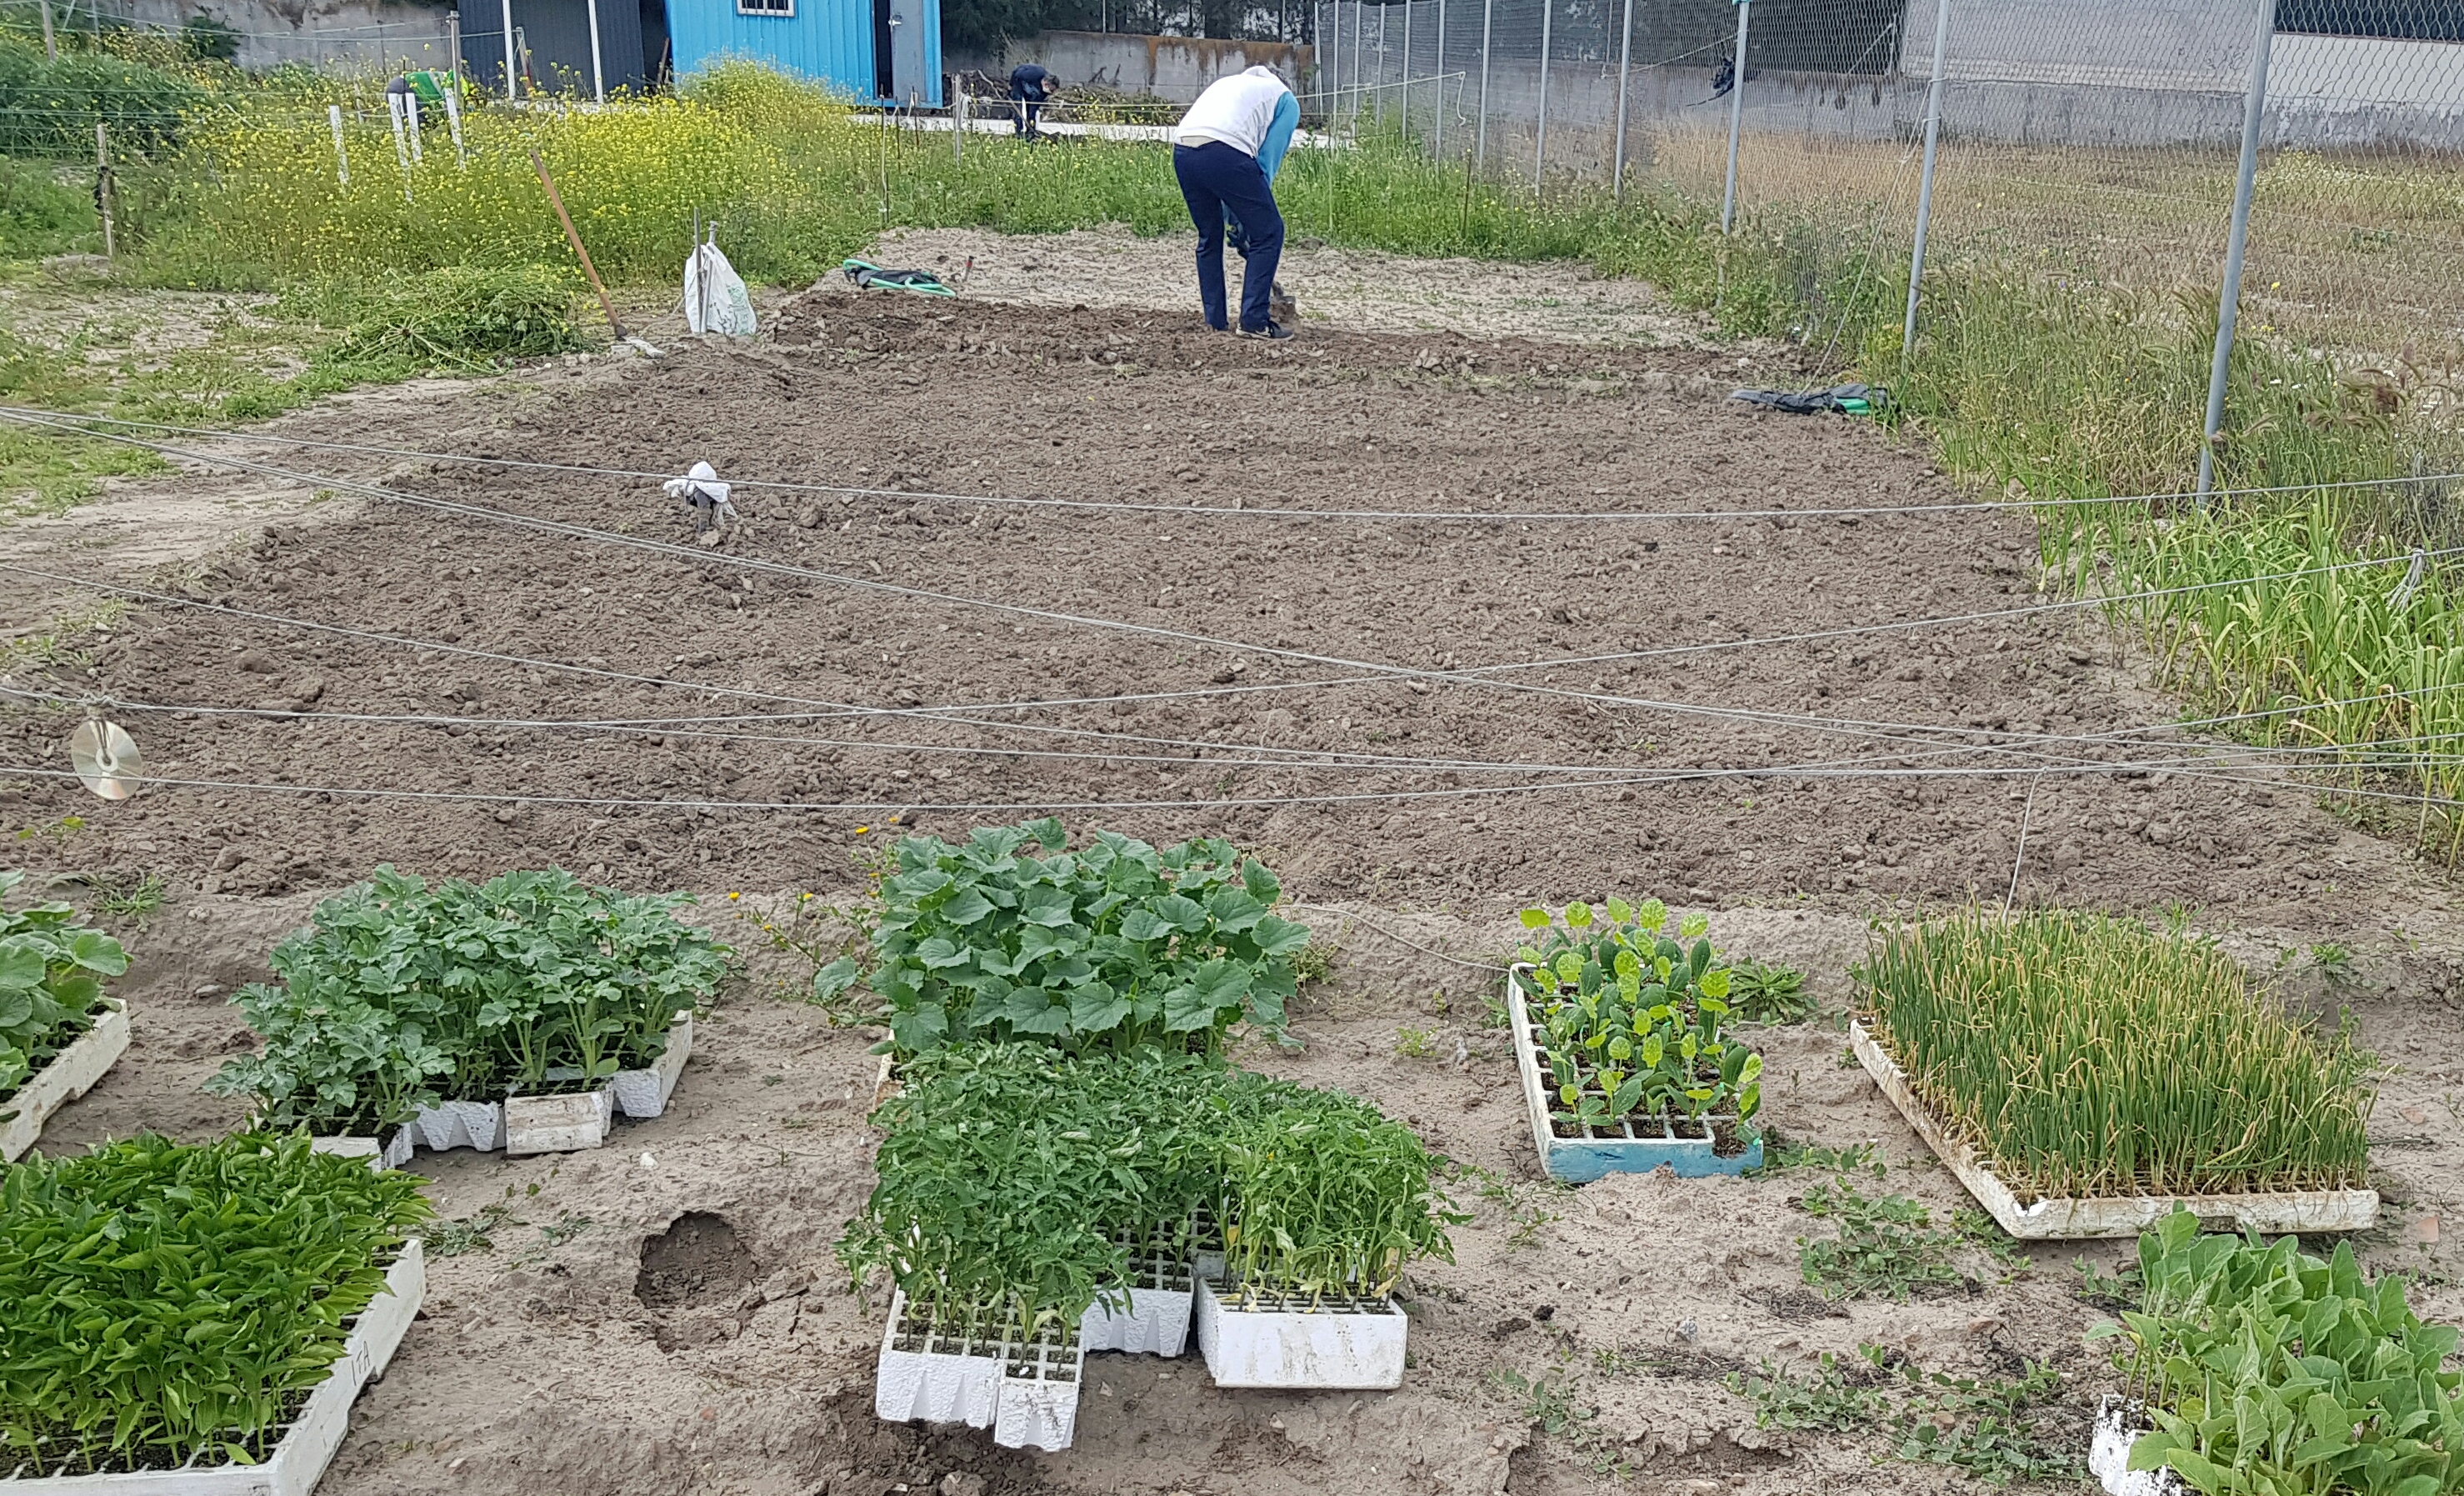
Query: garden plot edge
(2076, 1219)
(70, 1073)
(309, 1445)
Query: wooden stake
(575, 239)
(102, 194)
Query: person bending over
(1031, 85)
(1214, 154)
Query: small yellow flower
(860, 831)
(735, 895)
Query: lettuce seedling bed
(1579, 1153)
(2078, 1217)
(69, 1074)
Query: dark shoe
(1274, 330)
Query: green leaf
(1713, 983)
(1145, 924)
(1578, 915)
(98, 952)
(966, 908)
(1275, 937)
(1096, 1009)
(1182, 914)
(1261, 882)
(21, 963)
(1535, 919)
(835, 979)
(1049, 906)
(1234, 909)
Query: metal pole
(342, 155)
(1406, 124)
(1540, 148)
(1330, 74)
(2229, 301)
(1357, 60)
(598, 78)
(1378, 94)
(1438, 148)
(51, 43)
(1625, 58)
(1480, 146)
(453, 43)
(1924, 182)
(508, 7)
(103, 184)
(1736, 116)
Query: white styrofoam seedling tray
(2118, 1423)
(1027, 1394)
(299, 1462)
(1272, 1342)
(643, 1094)
(566, 1124)
(1155, 1320)
(2074, 1218)
(391, 1152)
(460, 1124)
(69, 1074)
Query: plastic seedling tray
(1635, 1145)
(69, 1074)
(389, 1151)
(2070, 1218)
(309, 1445)
(643, 1094)
(2118, 1423)
(971, 1373)
(1155, 1318)
(1269, 1339)
(564, 1124)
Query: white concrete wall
(363, 37)
(1176, 67)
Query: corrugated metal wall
(830, 40)
(558, 33)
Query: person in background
(1270, 159)
(1031, 86)
(1214, 155)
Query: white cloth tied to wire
(701, 490)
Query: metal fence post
(1406, 125)
(1329, 73)
(1438, 146)
(1924, 182)
(1736, 116)
(1625, 59)
(1377, 89)
(507, 7)
(1480, 133)
(2229, 301)
(598, 73)
(1358, 20)
(1540, 145)
(103, 195)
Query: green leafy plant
(1886, 1247)
(2268, 1371)
(1322, 1196)
(225, 1273)
(400, 996)
(1633, 1019)
(2089, 1056)
(1415, 1044)
(1115, 946)
(1762, 993)
(1995, 1429)
(52, 971)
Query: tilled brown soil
(663, 1316)
(1195, 713)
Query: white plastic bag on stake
(715, 300)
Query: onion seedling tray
(2082, 1218)
(1640, 1144)
(1026, 1394)
(68, 1075)
(308, 1445)
(2118, 1423)
(1301, 1341)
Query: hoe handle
(575, 239)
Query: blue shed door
(910, 79)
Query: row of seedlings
(59, 1030)
(524, 1013)
(1623, 1041)
(2253, 1367)
(250, 1289)
(1131, 956)
(2084, 1076)
(1034, 1206)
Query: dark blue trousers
(1215, 176)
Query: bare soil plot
(665, 1315)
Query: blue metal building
(873, 49)
(882, 50)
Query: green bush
(42, 214)
(400, 996)
(167, 1303)
(50, 107)
(51, 984)
(2266, 1369)
(1117, 945)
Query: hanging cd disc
(106, 758)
